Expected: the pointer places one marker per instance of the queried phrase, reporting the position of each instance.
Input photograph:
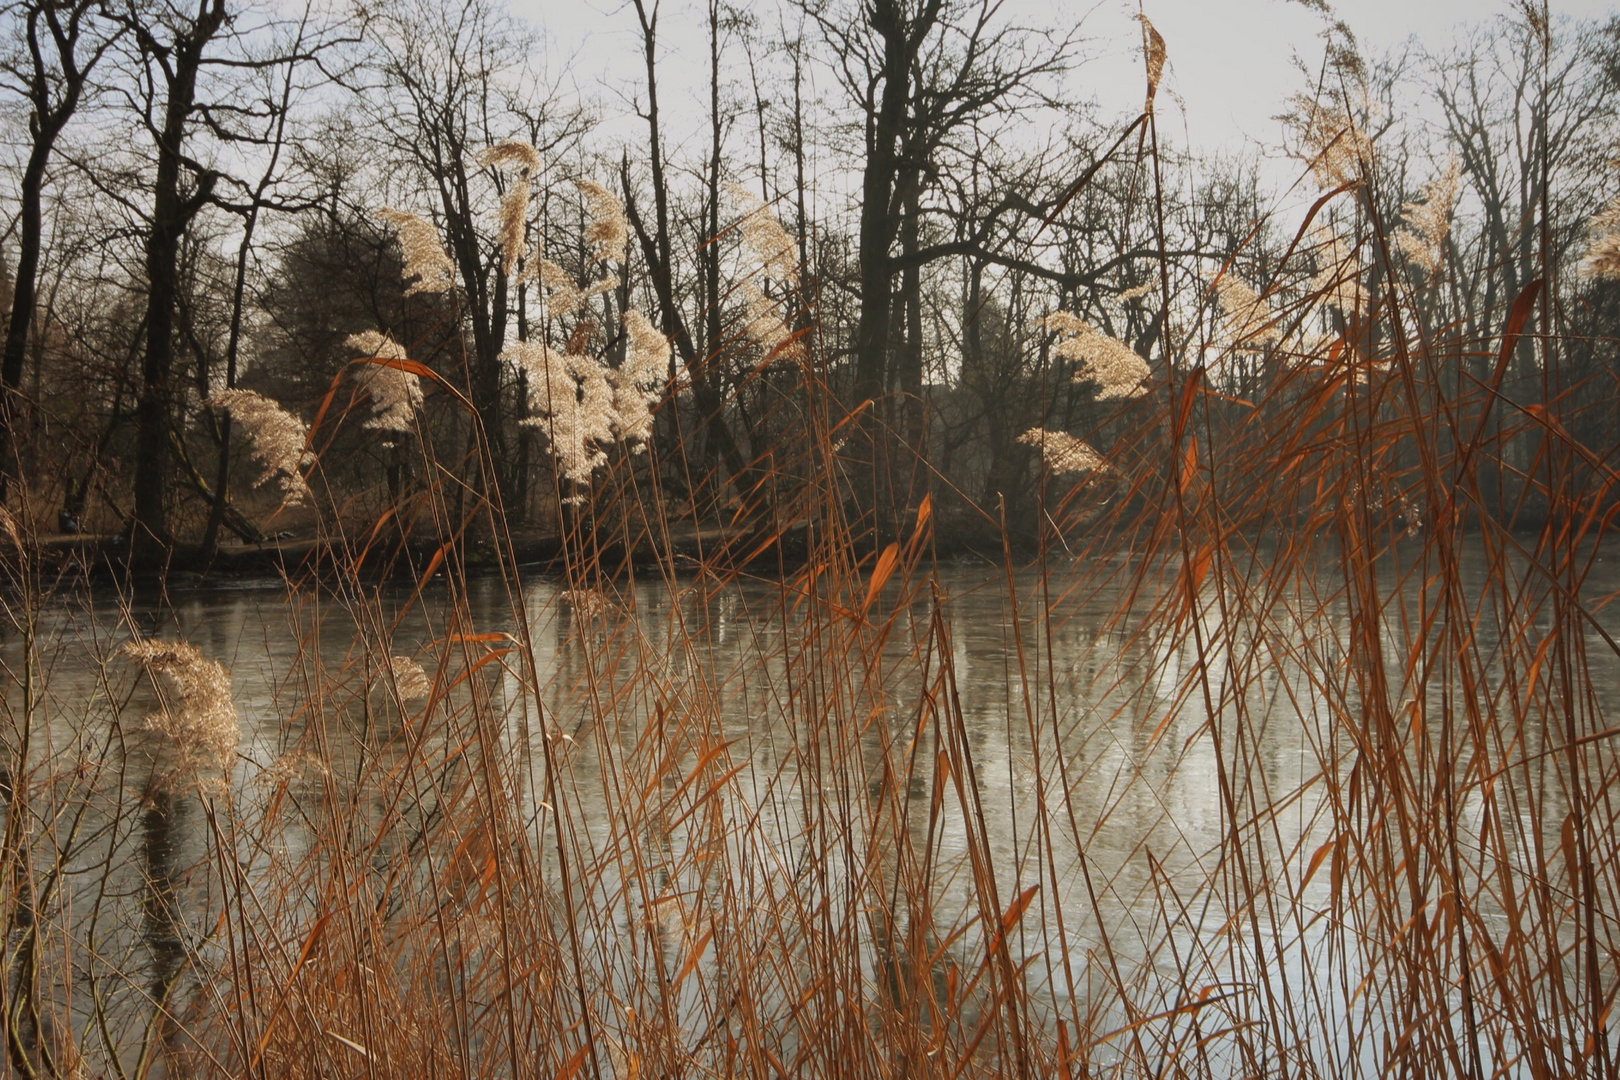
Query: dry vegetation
(1317, 559)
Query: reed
(706, 822)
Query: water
(1106, 791)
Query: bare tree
(657, 249)
(454, 81)
(919, 71)
(173, 45)
(62, 43)
(281, 84)
(1524, 123)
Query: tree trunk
(172, 213)
(655, 249)
(517, 500)
(24, 291)
(886, 125)
(911, 354)
(222, 476)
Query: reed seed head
(608, 230)
(637, 384)
(198, 715)
(511, 154)
(427, 267)
(1154, 55)
(513, 217)
(514, 209)
(1063, 453)
(1329, 141)
(766, 328)
(571, 400)
(1114, 366)
(280, 440)
(396, 395)
(1246, 318)
(1602, 258)
(646, 358)
(1426, 223)
(409, 678)
(563, 294)
(1338, 276)
(764, 237)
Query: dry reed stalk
(574, 859)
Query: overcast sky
(1229, 60)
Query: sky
(1230, 61)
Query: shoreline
(688, 549)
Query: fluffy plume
(1110, 363)
(1329, 141)
(1602, 258)
(565, 426)
(514, 209)
(563, 295)
(636, 385)
(279, 439)
(582, 404)
(646, 361)
(547, 371)
(1246, 318)
(1154, 53)
(409, 678)
(375, 343)
(427, 267)
(197, 715)
(513, 216)
(1063, 453)
(766, 328)
(764, 236)
(568, 423)
(290, 768)
(395, 395)
(608, 232)
(510, 154)
(597, 421)
(1136, 292)
(1338, 277)
(1425, 224)
(632, 414)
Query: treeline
(275, 271)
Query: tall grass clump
(1284, 754)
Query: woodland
(942, 249)
(829, 553)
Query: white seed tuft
(427, 267)
(1063, 453)
(396, 395)
(197, 716)
(280, 440)
(764, 237)
(1098, 357)
(608, 231)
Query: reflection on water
(1082, 710)
(163, 823)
